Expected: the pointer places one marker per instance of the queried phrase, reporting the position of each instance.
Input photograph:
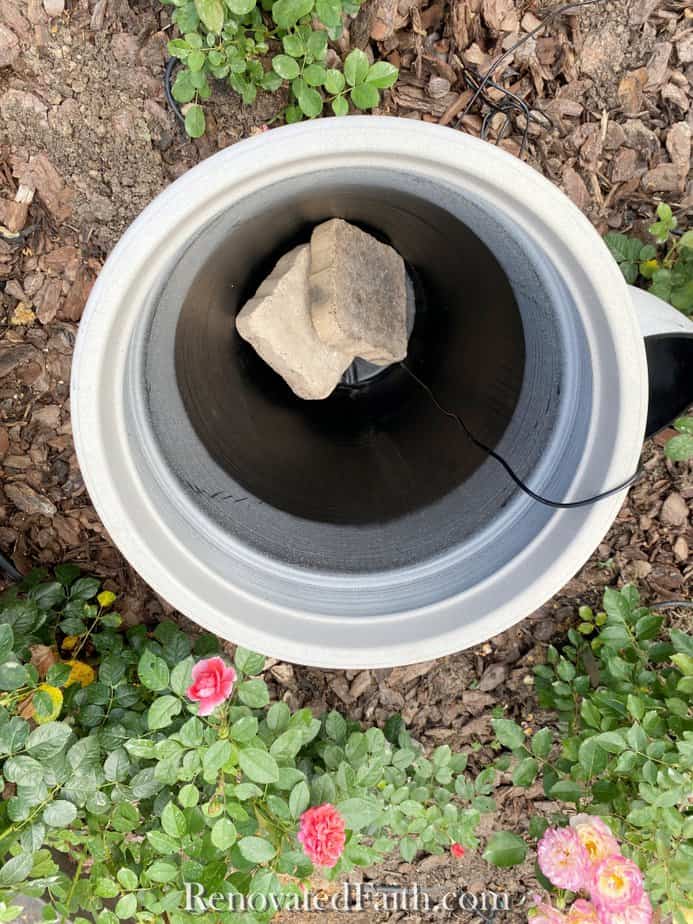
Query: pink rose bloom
(563, 858)
(596, 837)
(321, 833)
(583, 912)
(545, 913)
(212, 683)
(615, 885)
(640, 913)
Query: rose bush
(151, 762)
(622, 689)
(613, 885)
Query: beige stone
(358, 293)
(277, 323)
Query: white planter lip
(162, 558)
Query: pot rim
(161, 557)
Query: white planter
(445, 561)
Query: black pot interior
(376, 452)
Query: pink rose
(212, 683)
(596, 837)
(545, 913)
(639, 913)
(582, 912)
(457, 850)
(322, 834)
(563, 859)
(615, 885)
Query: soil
(84, 123)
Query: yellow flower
(56, 697)
(81, 673)
(105, 598)
(69, 642)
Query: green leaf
(684, 424)
(195, 121)
(162, 871)
(679, 448)
(566, 791)
(258, 766)
(256, 849)
(245, 729)
(310, 102)
(340, 106)
(47, 741)
(85, 588)
(173, 821)
(211, 12)
(613, 742)
(505, 849)
(359, 813)
(59, 814)
(152, 671)
(16, 870)
(126, 906)
(314, 75)
(329, 12)
(623, 248)
(299, 800)
(127, 878)
(223, 833)
(541, 742)
(13, 675)
(6, 640)
(287, 745)
(216, 756)
(334, 80)
(293, 45)
(183, 90)
(365, 96)
(508, 733)
(526, 772)
(241, 7)
(162, 712)
(356, 67)
(286, 67)
(253, 693)
(287, 13)
(682, 641)
(163, 843)
(382, 74)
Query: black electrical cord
(171, 65)
(562, 505)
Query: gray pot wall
(365, 532)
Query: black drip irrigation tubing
(171, 65)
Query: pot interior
(375, 477)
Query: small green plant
(166, 775)
(623, 692)
(266, 44)
(680, 447)
(665, 266)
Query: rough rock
(277, 322)
(358, 293)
